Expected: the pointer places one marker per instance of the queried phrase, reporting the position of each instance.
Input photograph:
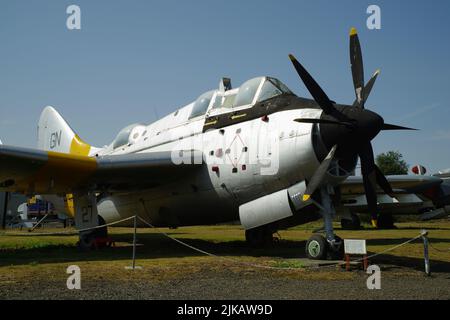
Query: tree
(392, 163)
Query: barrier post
(133, 266)
(425, 252)
(134, 244)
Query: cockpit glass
(201, 104)
(228, 102)
(280, 85)
(217, 101)
(247, 92)
(271, 88)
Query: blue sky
(133, 61)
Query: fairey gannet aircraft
(257, 153)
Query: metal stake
(134, 244)
(133, 266)
(425, 252)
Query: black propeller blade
(356, 62)
(382, 182)
(369, 179)
(318, 176)
(367, 88)
(316, 91)
(324, 121)
(387, 126)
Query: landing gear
(386, 221)
(259, 237)
(319, 248)
(331, 246)
(87, 238)
(354, 223)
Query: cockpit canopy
(201, 104)
(250, 92)
(129, 135)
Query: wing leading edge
(32, 171)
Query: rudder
(55, 134)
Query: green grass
(25, 255)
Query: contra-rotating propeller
(349, 128)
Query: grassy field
(27, 257)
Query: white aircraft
(257, 153)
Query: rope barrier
(438, 250)
(271, 267)
(69, 231)
(221, 257)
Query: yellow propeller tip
(374, 223)
(306, 197)
(292, 57)
(353, 31)
(377, 72)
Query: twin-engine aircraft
(257, 153)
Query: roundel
(418, 169)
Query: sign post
(353, 247)
(425, 252)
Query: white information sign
(353, 246)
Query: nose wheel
(316, 247)
(319, 248)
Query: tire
(259, 237)
(252, 237)
(101, 232)
(87, 238)
(317, 247)
(337, 253)
(86, 241)
(351, 224)
(386, 221)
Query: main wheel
(86, 241)
(317, 247)
(87, 238)
(101, 232)
(386, 221)
(351, 224)
(259, 237)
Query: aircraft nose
(362, 126)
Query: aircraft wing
(403, 183)
(407, 199)
(32, 171)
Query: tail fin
(54, 134)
